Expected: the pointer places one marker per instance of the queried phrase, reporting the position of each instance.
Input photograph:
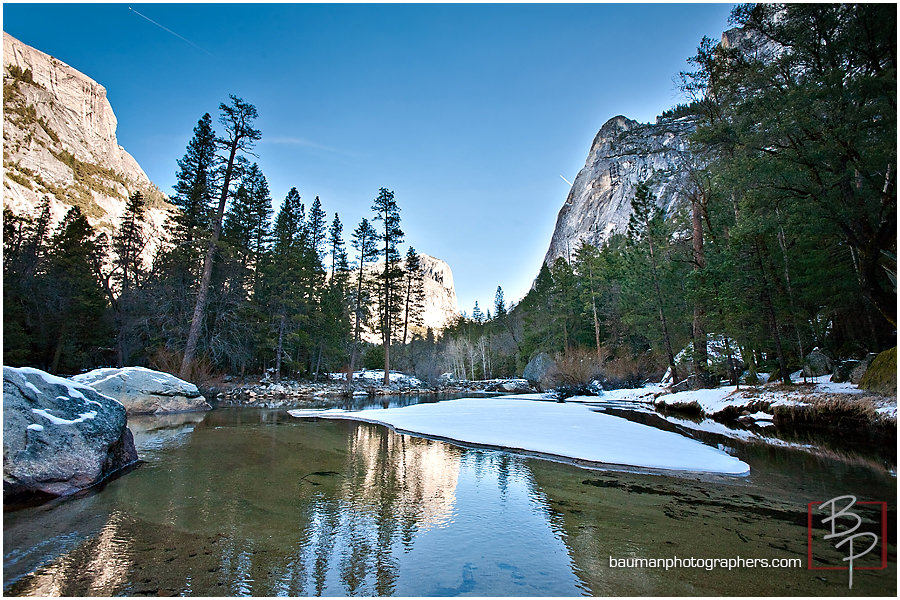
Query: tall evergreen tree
(390, 236)
(123, 284)
(73, 296)
(365, 242)
(336, 245)
(315, 225)
(237, 119)
(644, 228)
(414, 304)
(499, 304)
(194, 185)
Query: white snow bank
(711, 401)
(301, 413)
(560, 429)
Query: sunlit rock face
(623, 154)
(441, 305)
(59, 141)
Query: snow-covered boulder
(58, 436)
(144, 391)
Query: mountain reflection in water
(253, 503)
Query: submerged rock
(144, 391)
(58, 436)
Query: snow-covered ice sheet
(302, 413)
(565, 430)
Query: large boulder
(537, 371)
(881, 376)
(860, 369)
(144, 391)
(58, 436)
(817, 364)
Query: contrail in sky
(164, 28)
(566, 180)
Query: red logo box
(882, 540)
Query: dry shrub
(577, 368)
(574, 367)
(201, 373)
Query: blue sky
(468, 112)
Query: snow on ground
(760, 416)
(378, 376)
(715, 400)
(567, 430)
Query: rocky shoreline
(288, 393)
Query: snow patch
(761, 416)
(567, 430)
(35, 427)
(73, 388)
(59, 421)
(305, 413)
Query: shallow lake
(255, 502)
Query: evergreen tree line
(230, 288)
(786, 241)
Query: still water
(254, 502)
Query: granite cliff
(623, 154)
(59, 141)
(441, 305)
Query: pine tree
(336, 245)
(365, 242)
(414, 304)
(237, 118)
(499, 304)
(128, 243)
(194, 186)
(477, 315)
(389, 236)
(73, 296)
(122, 285)
(287, 277)
(644, 226)
(315, 226)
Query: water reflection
(256, 503)
(253, 502)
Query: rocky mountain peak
(623, 154)
(59, 141)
